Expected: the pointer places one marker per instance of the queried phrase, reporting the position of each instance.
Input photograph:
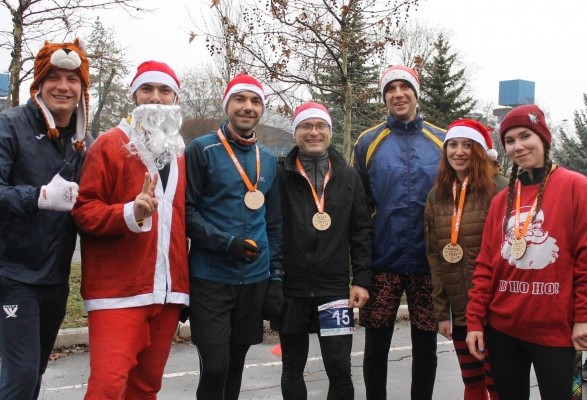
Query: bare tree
(290, 43)
(417, 44)
(37, 20)
(201, 94)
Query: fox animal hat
(70, 56)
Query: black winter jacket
(318, 263)
(36, 246)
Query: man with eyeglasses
(327, 227)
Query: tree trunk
(15, 65)
(103, 96)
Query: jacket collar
(400, 126)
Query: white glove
(58, 195)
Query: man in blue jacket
(42, 145)
(398, 161)
(233, 218)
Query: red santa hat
(528, 116)
(243, 83)
(154, 72)
(310, 110)
(474, 130)
(69, 56)
(400, 73)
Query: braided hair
(511, 188)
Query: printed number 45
(342, 317)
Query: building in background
(513, 93)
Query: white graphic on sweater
(542, 249)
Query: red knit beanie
(528, 116)
(400, 73)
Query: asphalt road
(66, 377)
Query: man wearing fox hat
(42, 145)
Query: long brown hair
(481, 183)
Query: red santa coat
(124, 265)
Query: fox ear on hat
(69, 56)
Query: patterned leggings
(476, 375)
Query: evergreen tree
(571, 150)
(367, 110)
(107, 73)
(443, 89)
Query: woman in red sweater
(456, 209)
(530, 279)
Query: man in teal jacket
(398, 161)
(234, 221)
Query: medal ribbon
(319, 201)
(522, 234)
(237, 164)
(457, 214)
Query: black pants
(512, 358)
(221, 371)
(336, 354)
(377, 343)
(29, 323)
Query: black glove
(241, 250)
(273, 303)
(184, 315)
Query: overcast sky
(497, 40)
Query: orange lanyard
(319, 201)
(238, 165)
(457, 213)
(520, 234)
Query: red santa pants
(129, 348)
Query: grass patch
(75, 314)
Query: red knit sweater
(538, 297)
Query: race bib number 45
(336, 318)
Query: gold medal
(519, 248)
(452, 253)
(321, 221)
(254, 200)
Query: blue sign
(3, 85)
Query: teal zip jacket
(216, 212)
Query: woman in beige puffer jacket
(456, 209)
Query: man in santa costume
(134, 253)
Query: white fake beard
(155, 134)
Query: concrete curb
(79, 336)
